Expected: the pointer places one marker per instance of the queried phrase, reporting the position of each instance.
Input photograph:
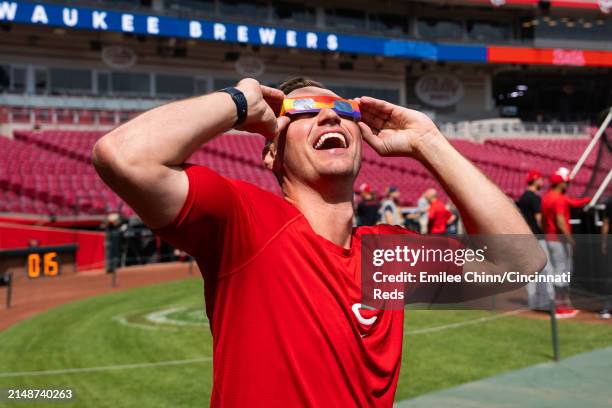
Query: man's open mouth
(331, 140)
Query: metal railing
(512, 128)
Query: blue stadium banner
(149, 24)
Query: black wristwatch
(241, 104)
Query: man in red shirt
(558, 233)
(439, 215)
(282, 274)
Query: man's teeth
(326, 136)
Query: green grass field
(165, 323)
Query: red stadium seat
(50, 170)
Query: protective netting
(601, 165)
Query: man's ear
(274, 149)
(269, 156)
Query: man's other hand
(392, 130)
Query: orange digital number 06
(50, 265)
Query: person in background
(539, 294)
(452, 227)
(423, 209)
(530, 202)
(558, 234)
(367, 209)
(605, 252)
(412, 216)
(605, 227)
(439, 216)
(389, 209)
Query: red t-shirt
(438, 217)
(554, 203)
(279, 297)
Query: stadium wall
(90, 253)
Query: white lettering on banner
(152, 25)
(127, 22)
(568, 57)
(70, 17)
(311, 40)
(219, 31)
(332, 42)
(605, 6)
(98, 20)
(7, 11)
(267, 35)
(195, 29)
(39, 15)
(498, 3)
(242, 33)
(291, 38)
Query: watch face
(304, 104)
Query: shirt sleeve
(215, 223)
(578, 202)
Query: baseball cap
(365, 188)
(392, 189)
(533, 175)
(559, 176)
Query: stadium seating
(50, 172)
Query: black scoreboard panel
(39, 262)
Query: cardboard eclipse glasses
(313, 104)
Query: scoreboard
(41, 262)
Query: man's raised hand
(263, 104)
(392, 130)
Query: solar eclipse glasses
(313, 104)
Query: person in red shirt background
(558, 234)
(439, 216)
(282, 275)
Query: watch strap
(241, 104)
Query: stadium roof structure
(102, 19)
